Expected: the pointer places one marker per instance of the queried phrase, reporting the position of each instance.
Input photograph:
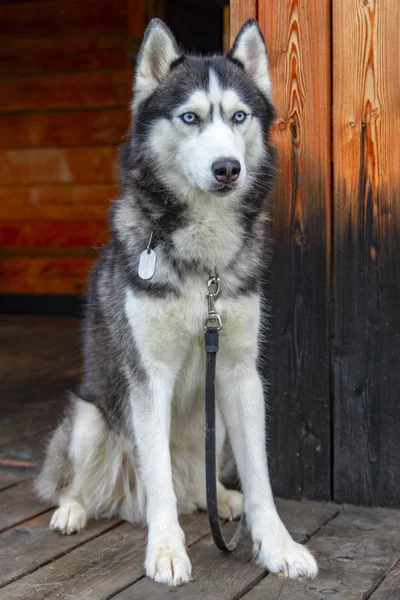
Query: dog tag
(147, 264)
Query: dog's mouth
(223, 189)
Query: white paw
(168, 563)
(230, 504)
(283, 556)
(69, 518)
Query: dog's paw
(168, 563)
(230, 504)
(69, 518)
(281, 555)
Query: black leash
(212, 328)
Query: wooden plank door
(298, 40)
(366, 101)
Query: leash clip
(213, 320)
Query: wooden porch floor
(358, 549)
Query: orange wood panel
(240, 11)
(66, 86)
(56, 202)
(366, 122)
(297, 34)
(85, 51)
(68, 128)
(62, 17)
(69, 165)
(44, 275)
(68, 90)
(61, 234)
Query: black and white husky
(195, 173)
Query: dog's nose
(226, 170)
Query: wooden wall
(366, 121)
(65, 87)
(334, 351)
(299, 420)
(334, 366)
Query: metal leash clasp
(214, 290)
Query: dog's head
(202, 121)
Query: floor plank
(223, 576)
(19, 503)
(31, 544)
(98, 568)
(20, 460)
(33, 393)
(390, 587)
(357, 549)
(354, 550)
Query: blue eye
(190, 118)
(239, 117)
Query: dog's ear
(250, 50)
(157, 53)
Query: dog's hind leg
(75, 474)
(70, 517)
(57, 476)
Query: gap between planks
(104, 566)
(229, 576)
(355, 552)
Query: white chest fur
(213, 234)
(165, 328)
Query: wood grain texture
(227, 576)
(56, 165)
(66, 84)
(67, 90)
(83, 52)
(240, 11)
(19, 503)
(366, 98)
(99, 568)
(47, 234)
(43, 18)
(31, 544)
(298, 370)
(44, 275)
(20, 460)
(40, 416)
(57, 202)
(63, 128)
(389, 589)
(354, 552)
(46, 349)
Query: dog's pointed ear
(157, 53)
(250, 50)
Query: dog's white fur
(169, 435)
(167, 418)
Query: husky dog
(195, 171)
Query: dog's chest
(212, 236)
(162, 322)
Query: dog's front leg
(242, 404)
(166, 558)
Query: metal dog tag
(147, 264)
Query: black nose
(226, 170)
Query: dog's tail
(57, 471)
